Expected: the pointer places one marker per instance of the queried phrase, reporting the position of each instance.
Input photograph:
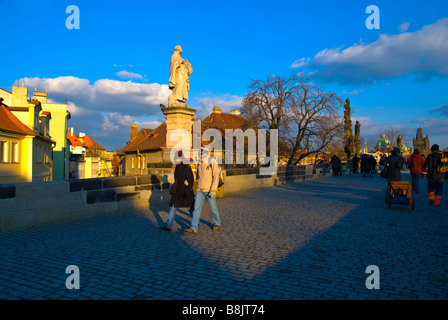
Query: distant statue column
(399, 143)
(357, 137)
(349, 143)
(179, 83)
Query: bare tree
(306, 116)
(392, 135)
(267, 100)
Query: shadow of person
(187, 222)
(159, 198)
(156, 210)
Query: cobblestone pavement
(310, 240)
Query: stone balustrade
(35, 204)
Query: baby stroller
(400, 193)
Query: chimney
(19, 97)
(217, 110)
(40, 96)
(133, 131)
(71, 132)
(235, 112)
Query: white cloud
(227, 103)
(67, 86)
(128, 75)
(108, 125)
(148, 124)
(422, 53)
(105, 108)
(355, 92)
(300, 63)
(404, 27)
(104, 95)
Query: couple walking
(182, 191)
(418, 166)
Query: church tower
(420, 143)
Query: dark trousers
(435, 189)
(387, 198)
(416, 177)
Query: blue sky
(114, 69)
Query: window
(38, 154)
(45, 159)
(133, 162)
(144, 163)
(139, 161)
(3, 151)
(15, 152)
(36, 122)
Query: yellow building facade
(26, 147)
(18, 103)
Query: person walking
(207, 187)
(336, 164)
(182, 190)
(382, 161)
(415, 164)
(394, 163)
(435, 179)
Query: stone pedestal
(178, 117)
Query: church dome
(383, 142)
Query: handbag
(173, 188)
(221, 179)
(410, 163)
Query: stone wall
(39, 203)
(249, 178)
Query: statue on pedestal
(179, 83)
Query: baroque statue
(179, 83)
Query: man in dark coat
(435, 179)
(336, 164)
(182, 190)
(394, 162)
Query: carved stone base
(173, 102)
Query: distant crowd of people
(433, 168)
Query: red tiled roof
(85, 141)
(89, 143)
(148, 139)
(221, 122)
(10, 123)
(74, 140)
